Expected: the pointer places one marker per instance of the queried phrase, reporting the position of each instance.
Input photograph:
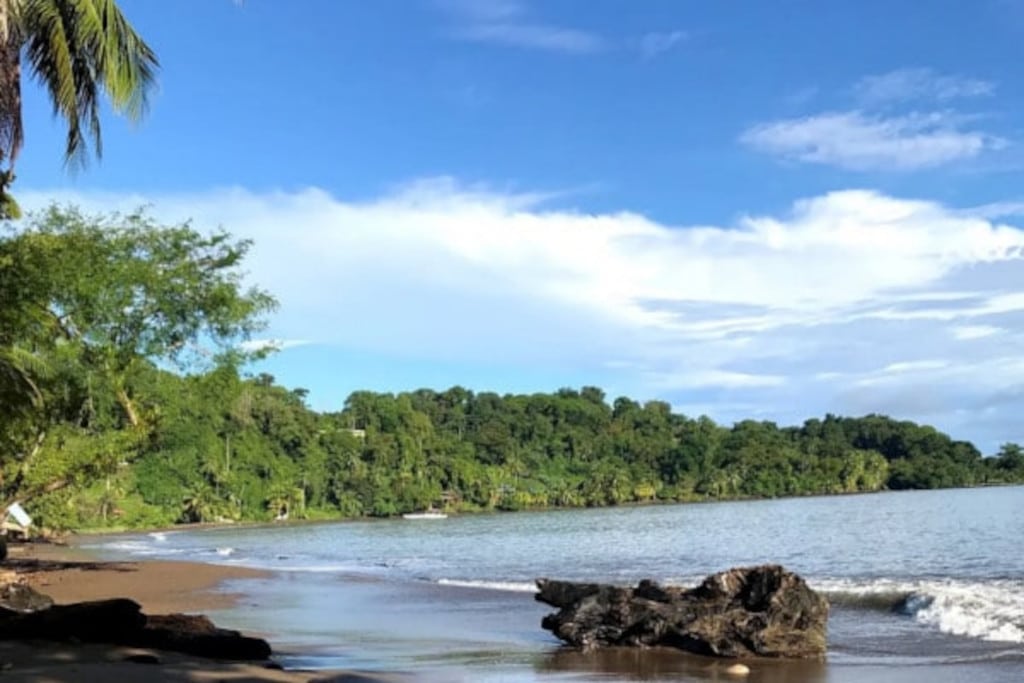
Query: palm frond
(18, 370)
(126, 65)
(77, 47)
(50, 53)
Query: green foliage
(230, 448)
(93, 305)
(123, 405)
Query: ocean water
(924, 585)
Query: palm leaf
(75, 48)
(18, 388)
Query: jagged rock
(762, 611)
(197, 635)
(121, 622)
(20, 597)
(102, 621)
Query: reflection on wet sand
(656, 664)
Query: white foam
(158, 536)
(512, 586)
(141, 548)
(988, 610)
(225, 552)
(985, 611)
(310, 569)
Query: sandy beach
(68, 575)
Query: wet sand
(161, 587)
(438, 633)
(69, 575)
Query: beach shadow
(657, 664)
(38, 662)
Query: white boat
(429, 514)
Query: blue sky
(769, 210)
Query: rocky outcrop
(763, 611)
(121, 622)
(102, 621)
(197, 635)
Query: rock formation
(762, 611)
(121, 622)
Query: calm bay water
(920, 582)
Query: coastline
(434, 602)
(316, 520)
(68, 574)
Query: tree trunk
(28, 494)
(129, 407)
(10, 107)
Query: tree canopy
(94, 304)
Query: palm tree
(75, 49)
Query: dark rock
(142, 658)
(102, 621)
(22, 598)
(761, 611)
(121, 622)
(197, 635)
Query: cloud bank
(851, 302)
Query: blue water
(916, 578)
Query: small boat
(427, 514)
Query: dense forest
(124, 402)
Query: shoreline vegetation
(125, 404)
(467, 453)
(84, 532)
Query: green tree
(78, 50)
(101, 301)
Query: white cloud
(919, 84)
(253, 345)
(484, 10)
(915, 366)
(721, 379)
(656, 42)
(862, 142)
(968, 332)
(997, 304)
(509, 23)
(993, 210)
(539, 36)
(788, 312)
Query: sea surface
(924, 585)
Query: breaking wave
(990, 610)
(509, 586)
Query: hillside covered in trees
(123, 402)
(248, 449)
